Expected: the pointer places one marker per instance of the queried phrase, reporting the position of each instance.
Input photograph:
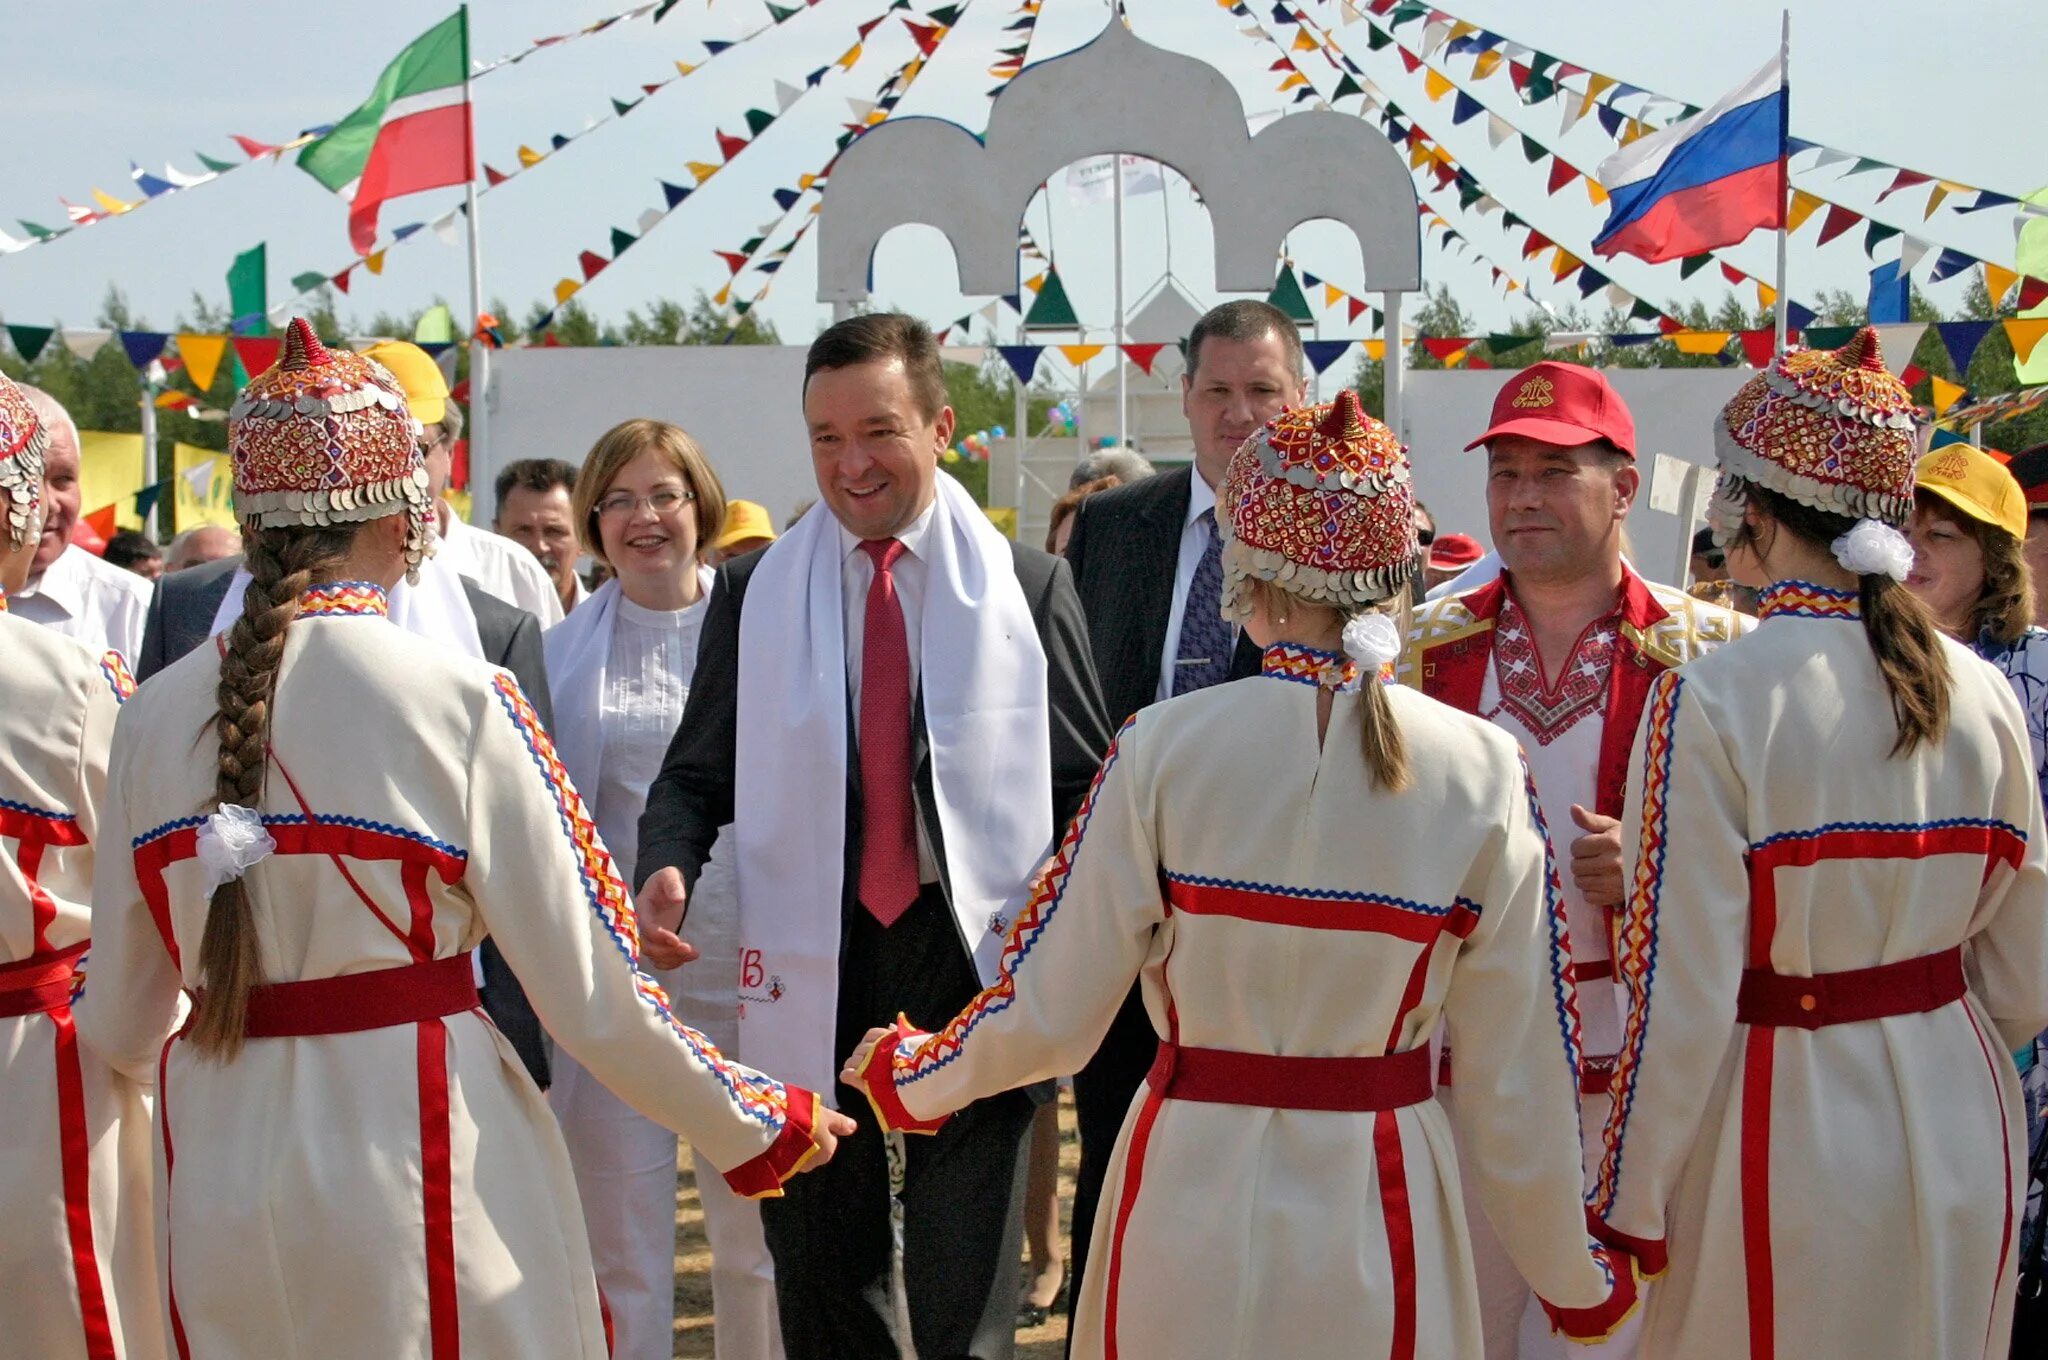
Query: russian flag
(1703, 183)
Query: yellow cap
(744, 520)
(426, 391)
(1975, 483)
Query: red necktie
(888, 850)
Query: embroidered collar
(362, 599)
(1548, 710)
(1308, 666)
(1805, 600)
(3, 599)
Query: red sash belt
(362, 1001)
(1904, 988)
(38, 983)
(1219, 1077)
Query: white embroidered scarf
(982, 675)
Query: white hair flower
(1874, 548)
(231, 841)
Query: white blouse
(646, 682)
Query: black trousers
(829, 1233)
(1103, 1091)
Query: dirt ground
(694, 1326)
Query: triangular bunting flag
(1143, 355)
(1051, 310)
(1910, 251)
(257, 352)
(1998, 281)
(374, 262)
(202, 356)
(1443, 347)
(1840, 219)
(1898, 342)
(29, 340)
(620, 241)
(2025, 332)
(1804, 205)
(1693, 264)
(566, 289)
(1702, 342)
(528, 157)
(1949, 264)
(493, 177)
(143, 347)
(1322, 353)
(673, 193)
(729, 145)
(1904, 180)
(1022, 359)
(1079, 354)
(1758, 346)
(1946, 394)
(1287, 296)
(593, 264)
(1561, 174)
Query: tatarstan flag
(412, 133)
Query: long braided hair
(282, 563)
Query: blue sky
(1943, 89)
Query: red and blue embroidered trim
(345, 599)
(1805, 600)
(115, 668)
(1309, 666)
(760, 1098)
(1635, 965)
(941, 1048)
(1564, 996)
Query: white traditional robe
(1275, 902)
(1850, 1190)
(77, 1267)
(297, 1178)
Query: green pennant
(1540, 63)
(1406, 11)
(1345, 85)
(1644, 311)
(741, 308)
(753, 244)
(1827, 337)
(1865, 163)
(622, 107)
(40, 232)
(1507, 342)
(210, 163)
(758, 121)
(308, 281)
(621, 240)
(945, 16)
(1538, 89)
(1050, 310)
(1376, 38)
(1693, 264)
(1877, 235)
(29, 340)
(780, 15)
(1377, 318)
(1469, 192)
(1509, 218)
(1532, 151)
(1287, 296)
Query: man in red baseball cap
(1559, 651)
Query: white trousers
(626, 1176)
(1513, 1323)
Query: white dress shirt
(83, 598)
(646, 682)
(856, 574)
(501, 567)
(1194, 541)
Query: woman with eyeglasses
(649, 507)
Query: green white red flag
(412, 133)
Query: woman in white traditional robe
(1308, 871)
(77, 1268)
(1837, 930)
(619, 669)
(324, 815)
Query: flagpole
(1123, 426)
(480, 467)
(1784, 174)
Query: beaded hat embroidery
(22, 441)
(1320, 503)
(1832, 429)
(323, 437)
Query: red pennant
(460, 393)
(494, 177)
(1565, 71)
(1840, 219)
(1444, 346)
(254, 147)
(1445, 175)
(2033, 292)
(1476, 362)
(1669, 325)
(1906, 179)
(729, 145)
(1561, 174)
(257, 352)
(1143, 355)
(593, 264)
(550, 341)
(458, 461)
(1410, 60)
(340, 280)
(1912, 374)
(1758, 346)
(92, 531)
(871, 25)
(1732, 274)
(926, 35)
(1356, 306)
(654, 89)
(733, 259)
(1519, 74)
(1536, 244)
(1281, 65)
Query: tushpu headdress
(323, 437)
(22, 441)
(1318, 502)
(1831, 429)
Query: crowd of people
(1456, 946)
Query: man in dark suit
(1147, 566)
(181, 615)
(875, 404)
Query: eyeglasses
(663, 502)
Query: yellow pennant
(1946, 394)
(1332, 295)
(2025, 332)
(1564, 264)
(1701, 342)
(1079, 354)
(1435, 84)
(805, 181)
(1293, 81)
(566, 289)
(202, 356)
(1998, 282)
(1595, 192)
(1766, 296)
(528, 157)
(1303, 42)
(374, 262)
(1486, 64)
(722, 296)
(109, 203)
(846, 62)
(684, 68)
(1634, 131)
(1804, 205)
(1035, 282)
(1597, 85)
(702, 171)
(1376, 350)
(1461, 29)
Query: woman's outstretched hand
(826, 1133)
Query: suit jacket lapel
(1157, 556)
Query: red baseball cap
(1562, 404)
(1454, 551)
(2029, 468)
